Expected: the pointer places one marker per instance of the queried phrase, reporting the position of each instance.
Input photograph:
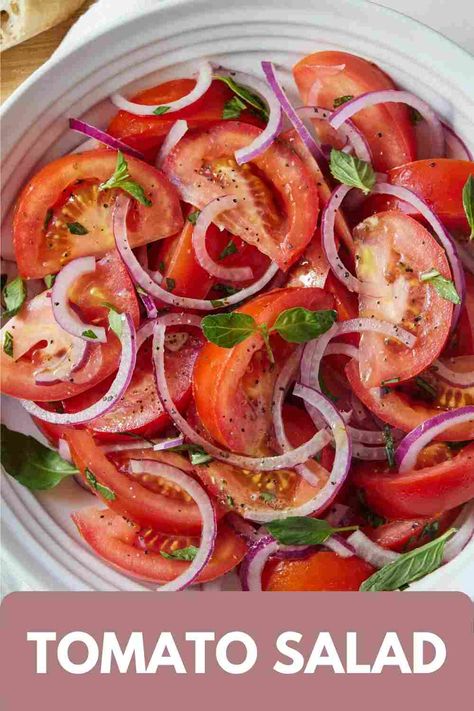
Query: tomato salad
(253, 341)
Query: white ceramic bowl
(41, 546)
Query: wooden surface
(17, 63)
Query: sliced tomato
(233, 387)
(122, 544)
(65, 194)
(140, 410)
(461, 341)
(39, 343)
(324, 77)
(278, 202)
(401, 409)
(419, 492)
(406, 535)
(322, 571)
(392, 251)
(439, 182)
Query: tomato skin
(420, 492)
(387, 128)
(405, 535)
(38, 256)
(114, 539)
(461, 342)
(321, 571)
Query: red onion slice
(253, 564)
(243, 528)
(64, 451)
(342, 349)
(458, 379)
(409, 448)
(455, 146)
(366, 436)
(175, 134)
(464, 525)
(170, 443)
(372, 98)
(338, 544)
(371, 552)
(203, 83)
(113, 394)
(370, 454)
(206, 217)
(337, 515)
(99, 135)
(62, 311)
(61, 368)
(271, 130)
(143, 279)
(203, 502)
(355, 139)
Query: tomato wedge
(406, 535)
(322, 571)
(324, 77)
(278, 204)
(393, 250)
(61, 214)
(39, 343)
(122, 544)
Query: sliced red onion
(440, 231)
(466, 256)
(284, 461)
(61, 368)
(243, 528)
(360, 413)
(206, 217)
(458, 379)
(302, 131)
(254, 562)
(124, 446)
(355, 139)
(150, 306)
(113, 394)
(203, 502)
(294, 552)
(203, 83)
(342, 349)
(143, 279)
(271, 130)
(170, 443)
(62, 311)
(64, 451)
(341, 546)
(337, 515)
(369, 551)
(366, 436)
(99, 135)
(409, 448)
(371, 454)
(464, 525)
(372, 98)
(175, 134)
(455, 146)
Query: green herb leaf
(193, 216)
(444, 287)
(49, 280)
(233, 108)
(370, 516)
(430, 530)
(115, 319)
(267, 496)
(47, 218)
(3, 280)
(468, 203)
(230, 248)
(197, 455)
(390, 381)
(8, 344)
(104, 491)
(188, 553)
(160, 110)
(303, 531)
(299, 325)
(426, 386)
(338, 101)
(230, 501)
(409, 567)
(227, 289)
(31, 463)
(121, 179)
(415, 116)
(75, 228)
(14, 295)
(170, 283)
(389, 446)
(227, 330)
(89, 334)
(247, 96)
(352, 171)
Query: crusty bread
(21, 19)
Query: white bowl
(42, 548)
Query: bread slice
(21, 19)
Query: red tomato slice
(322, 571)
(140, 410)
(65, 192)
(419, 492)
(122, 544)
(392, 251)
(278, 200)
(323, 77)
(461, 342)
(406, 535)
(145, 499)
(401, 410)
(233, 387)
(38, 341)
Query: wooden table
(20, 61)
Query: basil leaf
(338, 101)
(248, 96)
(230, 248)
(227, 330)
(49, 280)
(104, 491)
(226, 289)
(230, 501)
(8, 344)
(197, 455)
(89, 334)
(75, 228)
(115, 319)
(170, 283)
(444, 287)
(14, 295)
(370, 516)
(352, 171)
(121, 179)
(193, 216)
(267, 496)
(409, 567)
(188, 553)
(468, 203)
(426, 387)
(31, 463)
(160, 110)
(303, 531)
(47, 218)
(233, 108)
(299, 325)
(389, 446)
